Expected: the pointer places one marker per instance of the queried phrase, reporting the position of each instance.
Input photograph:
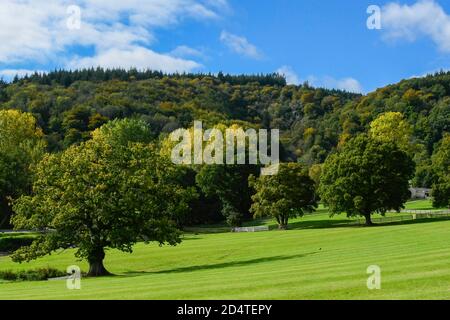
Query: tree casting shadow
(408, 222)
(223, 265)
(326, 224)
(320, 224)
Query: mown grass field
(319, 258)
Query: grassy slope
(420, 205)
(319, 259)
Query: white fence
(421, 214)
(251, 229)
(412, 215)
(385, 219)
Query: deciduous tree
(441, 168)
(109, 192)
(392, 127)
(366, 176)
(21, 147)
(286, 195)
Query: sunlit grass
(319, 258)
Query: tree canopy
(314, 122)
(68, 105)
(392, 127)
(108, 192)
(441, 167)
(366, 176)
(22, 145)
(288, 194)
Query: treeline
(67, 77)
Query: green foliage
(366, 176)
(71, 104)
(288, 194)
(108, 192)
(229, 183)
(31, 275)
(438, 122)
(441, 167)
(233, 217)
(21, 147)
(122, 132)
(314, 173)
(391, 127)
(66, 78)
(314, 122)
(14, 242)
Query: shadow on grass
(188, 238)
(327, 224)
(409, 222)
(319, 224)
(221, 265)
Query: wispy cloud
(185, 52)
(425, 18)
(290, 75)
(429, 72)
(240, 45)
(348, 84)
(9, 74)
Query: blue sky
(324, 42)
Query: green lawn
(319, 258)
(420, 205)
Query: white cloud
(135, 57)
(409, 22)
(347, 84)
(36, 30)
(428, 73)
(9, 74)
(240, 45)
(185, 51)
(289, 74)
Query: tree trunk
(96, 267)
(283, 223)
(5, 214)
(3, 220)
(282, 226)
(368, 220)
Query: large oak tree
(109, 192)
(366, 176)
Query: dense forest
(68, 105)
